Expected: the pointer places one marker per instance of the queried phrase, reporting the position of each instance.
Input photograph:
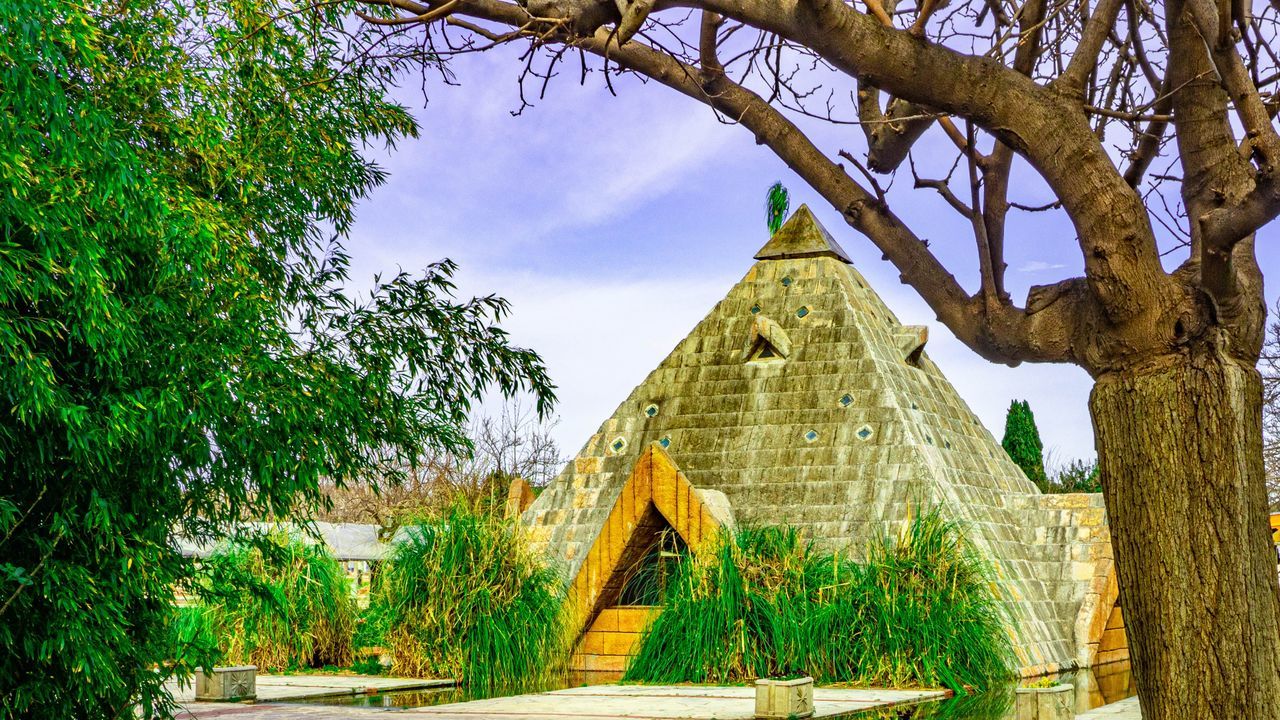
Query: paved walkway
(296, 687)
(586, 703)
(635, 702)
(1123, 710)
(662, 702)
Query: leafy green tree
(178, 348)
(1022, 442)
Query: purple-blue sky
(613, 224)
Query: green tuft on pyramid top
(800, 237)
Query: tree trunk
(1180, 451)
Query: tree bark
(1179, 445)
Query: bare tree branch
(1122, 262)
(1085, 58)
(995, 204)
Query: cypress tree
(1022, 441)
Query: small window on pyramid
(802, 312)
(651, 410)
(786, 281)
(767, 342)
(847, 400)
(665, 443)
(765, 352)
(618, 445)
(913, 358)
(864, 432)
(755, 309)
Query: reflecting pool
(1094, 687)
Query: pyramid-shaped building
(800, 399)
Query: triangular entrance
(648, 564)
(1102, 623)
(657, 519)
(657, 511)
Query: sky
(614, 223)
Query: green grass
(278, 604)
(463, 598)
(736, 612)
(368, 666)
(919, 611)
(192, 637)
(368, 632)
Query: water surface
(1094, 687)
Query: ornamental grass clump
(462, 597)
(739, 611)
(927, 611)
(763, 603)
(277, 603)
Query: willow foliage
(177, 347)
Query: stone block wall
(613, 639)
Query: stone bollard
(227, 684)
(784, 698)
(1046, 703)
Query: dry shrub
(279, 603)
(462, 597)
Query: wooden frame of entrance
(655, 485)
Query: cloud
(481, 184)
(1035, 266)
(618, 170)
